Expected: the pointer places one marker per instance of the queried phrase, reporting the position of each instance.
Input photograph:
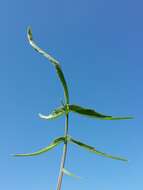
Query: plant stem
(59, 184)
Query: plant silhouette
(65, 110)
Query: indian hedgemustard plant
(65, 110)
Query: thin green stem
(59, 184)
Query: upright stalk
(59, 184)
(67, 108)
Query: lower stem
(59, 184)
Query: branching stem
(59, 184)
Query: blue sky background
(99, 44)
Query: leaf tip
(131, 117)
(125, 160)
(40, 115)
(43, 116)
(122, 118)
(13, 155)
(29, 33)
(66, 172)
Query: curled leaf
(43, 150)
(52, 60)
(92, 149)
(92, 113)
(55, 114)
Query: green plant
(65, 109)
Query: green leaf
(120, 118)
(43, 150)
(70, 174)
(92, 113)
(55, 114)
(92, 149)
(52, 60)
(63, 81)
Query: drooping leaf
(92, 149)
(55, 114)
(92, 113)
(63, 81)
(52, 60)
(70, 174)
(43, 150)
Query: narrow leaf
(92, 113)
(70, 174)
(87, 112)
(63, 81)
(120, 118)
(55, 114)
(43, 150)
(92, 149)
(52, 60)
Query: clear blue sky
(99, 44)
